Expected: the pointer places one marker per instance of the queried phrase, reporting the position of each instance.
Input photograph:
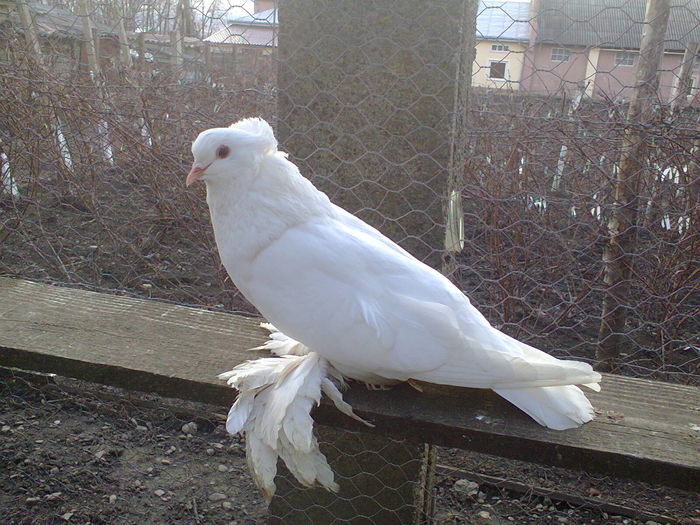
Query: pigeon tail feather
(555, 407)
(280, 344)
(276, 395)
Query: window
(560, 54)
(623, 58)
(497, 70)
(503, 48)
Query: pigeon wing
(354, 299)
(350, 294)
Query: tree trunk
(685, 80)
(30, 32)
(618, 256)
(89, 40)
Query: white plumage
(365, 306)
(276, 395)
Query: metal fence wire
(549, 166)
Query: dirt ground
(73, 452)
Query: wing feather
(365, 304)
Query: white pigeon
(338, 286)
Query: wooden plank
(131, 343)
(645, 430)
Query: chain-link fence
(568, 188)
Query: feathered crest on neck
(260, 129)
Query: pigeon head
(227, 154)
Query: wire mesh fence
(101, 100)
(380, 482)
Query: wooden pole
(176, 39)
(124, 49)
(176, 50)
(208, 69)
(91, 38)
(30, 32)
(90, 47)
(459, 143)
(390, 172)
(692, 176)
(685, 80)
(141, 50)
(564, 150)
(97, 45)
(233, 66)
(186, 19)
(618, 256)
(32, 36)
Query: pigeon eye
(223, 151)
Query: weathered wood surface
(645, 431)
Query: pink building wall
(670, 73)
(262, 5)
(613, 81)
(616, 81)
(543, 75)
(259, 35)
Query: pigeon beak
(195, 174)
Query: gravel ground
(73, 452)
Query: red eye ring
(223, 151)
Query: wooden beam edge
(388, 420)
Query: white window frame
(624, 58)
(560, 54)
(500, 48)
(505, 71)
